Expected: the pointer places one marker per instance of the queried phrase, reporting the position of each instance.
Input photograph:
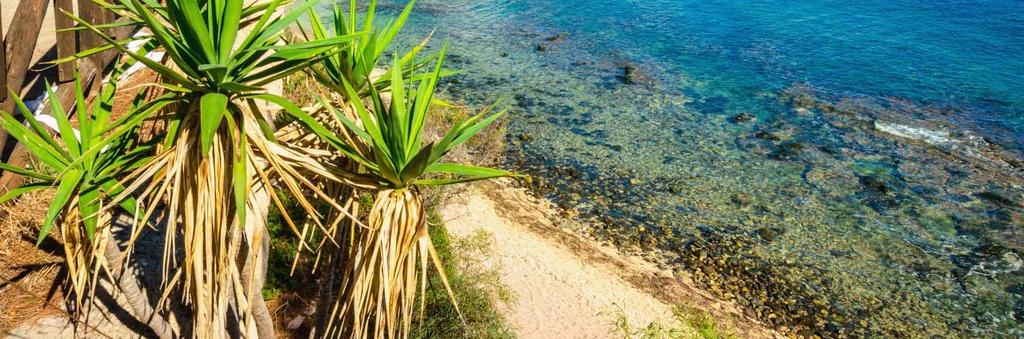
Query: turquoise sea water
(837, 168)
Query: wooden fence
(16, 57)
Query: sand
(568, 286)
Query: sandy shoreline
(568, 286)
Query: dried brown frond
(385, 270)
(28, 272)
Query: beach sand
(568, 286)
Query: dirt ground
(27, 273)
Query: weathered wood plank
(93, 13)
(3, 67)
(20, 44)
(67, 42)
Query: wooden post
(20, 43)
(67, 42)
(3, 69)
(90, 12)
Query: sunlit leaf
(212, 109)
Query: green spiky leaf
(68, 184)
(212, 107)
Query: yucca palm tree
(357, 62)
(387, 262)
(84, 180)
(218, 153)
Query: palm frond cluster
(214, 162)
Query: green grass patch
(690, 323)
(282, 250)
(473, 286)
(707, 326)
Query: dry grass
(27, 274)
(22, 217)
(301, 89)
(293, 305)
(127, 88)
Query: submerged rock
(768, 135)
(769, 233)
(632, 75)
(557, 37)
(1013, 261)
(788, 151)
(932, 137)
(989, 260)
(1017, 289)
(875, 184)
(743, 117)
(1018, 311)
(629, 74)
(997, 198)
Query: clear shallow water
(839, 169)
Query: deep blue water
(845, 168)
(966, 54)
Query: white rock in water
(938, 138)
(1013, 261)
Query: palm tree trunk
(254, 267)
(254, 272)
(129, 282)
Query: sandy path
(558, 294)
(567, 286)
